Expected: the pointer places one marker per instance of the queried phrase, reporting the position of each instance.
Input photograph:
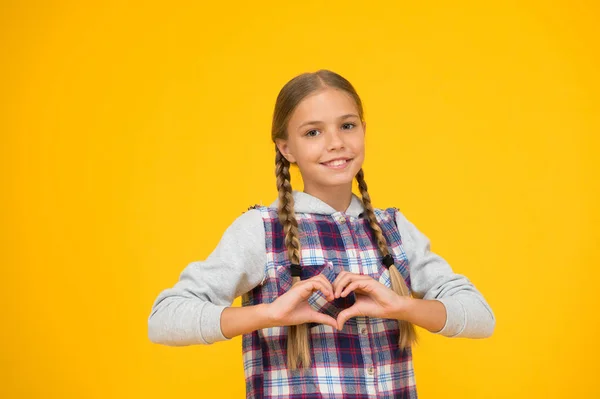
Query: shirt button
(371, 370)
(340, 218)
(363, 331)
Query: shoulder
(255, 206)
(244, 236)
(393, 214)
(255, 218)
(410, 234)
(399, 217)
(261, 210)
(249, 223)
(388, 214)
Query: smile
(337, 164)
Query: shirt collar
(306, 203)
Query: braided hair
(293, 92)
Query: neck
(338, 197)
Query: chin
(338, 182)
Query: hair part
(292, 93)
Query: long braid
(292, 94)
(408, 334)
(298, 346)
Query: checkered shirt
(361, 361)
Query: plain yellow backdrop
(134, 133)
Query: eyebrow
(317, 122)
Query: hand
(372, 298)
(293, 308)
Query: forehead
(325, 105)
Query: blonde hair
(294, 91)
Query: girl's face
(325, 127)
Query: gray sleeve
(468, 313)
(190, 311)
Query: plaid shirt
(361, 361)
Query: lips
(340, 163)
(336, 162)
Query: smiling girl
(331, 286)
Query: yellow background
(134, 133)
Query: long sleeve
(468, 313)
(190, 312)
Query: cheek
(358, 144)
(311, 153)
(306, 158)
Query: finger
(307, 287)
(317, 285)
(339, 277)
(327, 284)
(323, 319)
(360, 286)
(328, 293)
(342, 280)
(346, 314)
(345, 280)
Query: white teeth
(336, 163)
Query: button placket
(367, 355)
(353, 258)
(346, 233)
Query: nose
(335, 140)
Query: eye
(309, 133)
(352, 125)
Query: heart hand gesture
(293, 308)
(373, 299)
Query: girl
(331, 286)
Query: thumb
(324, 319)
(346, 314)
